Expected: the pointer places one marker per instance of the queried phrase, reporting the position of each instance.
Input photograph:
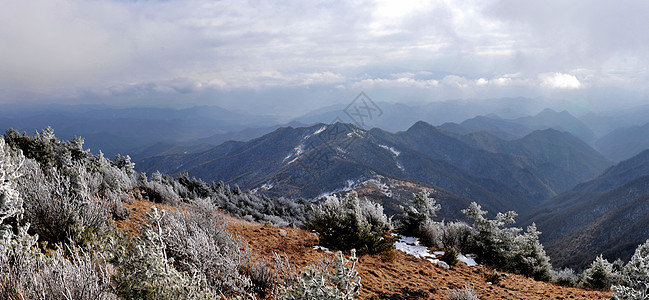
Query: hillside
(402, 277)
(607, 214)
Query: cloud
(559, 81)
(475, 48)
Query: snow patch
(410, 245)
(325, 249)
(468, 259)
(323, 128)
(394, 151)
(297, 151)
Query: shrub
(565, 277)
(10, 201)
(319, 283)
(465, 293)
(146, 272)
(351, 223)
(60, 209)
(414, 217)
(599, 275)
(197, 241)
(25, 273)
(493, 277)
(449, 256)
(456, 235)
(634, 280)
(498, 244)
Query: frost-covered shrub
(599, 275)
(465, 293)
(158, 188)
(320, 283)
(197, 240)
(565, 277)
(11, 203)
(499, 244)
(634, 280)
(456, 235)
(350, 223)
(414, 217)
(26, 273)
(59, 209)
(146, 272)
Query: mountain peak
(421, 125)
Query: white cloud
(559, 81)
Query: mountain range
(312, 161)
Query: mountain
(608, 214)
(311, 161)
(504, 129)
(562, 121)
(400, 116)
(510, 129)
(559, 155)
(624, 143)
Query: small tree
(423, 209)
(351, 223)
(599, 275)
(634, 282)
(499, 244)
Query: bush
(61, 209)
(565, 277)
(634, 280)
(10, 201)
(498, 244)
(599, 275)
(414, 217)
(351, 223)
(449, 256)
(493, 277)
(197, 241)
(456, 235)
(465, 293)
(320, 283)
(25, 273)
(147, 273)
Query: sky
(290, 57)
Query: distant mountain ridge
(132, 130)
(309, 161)
(608, 214)
(509, 129)
(624, 143)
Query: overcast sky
(301, 55)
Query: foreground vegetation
(58, 237)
